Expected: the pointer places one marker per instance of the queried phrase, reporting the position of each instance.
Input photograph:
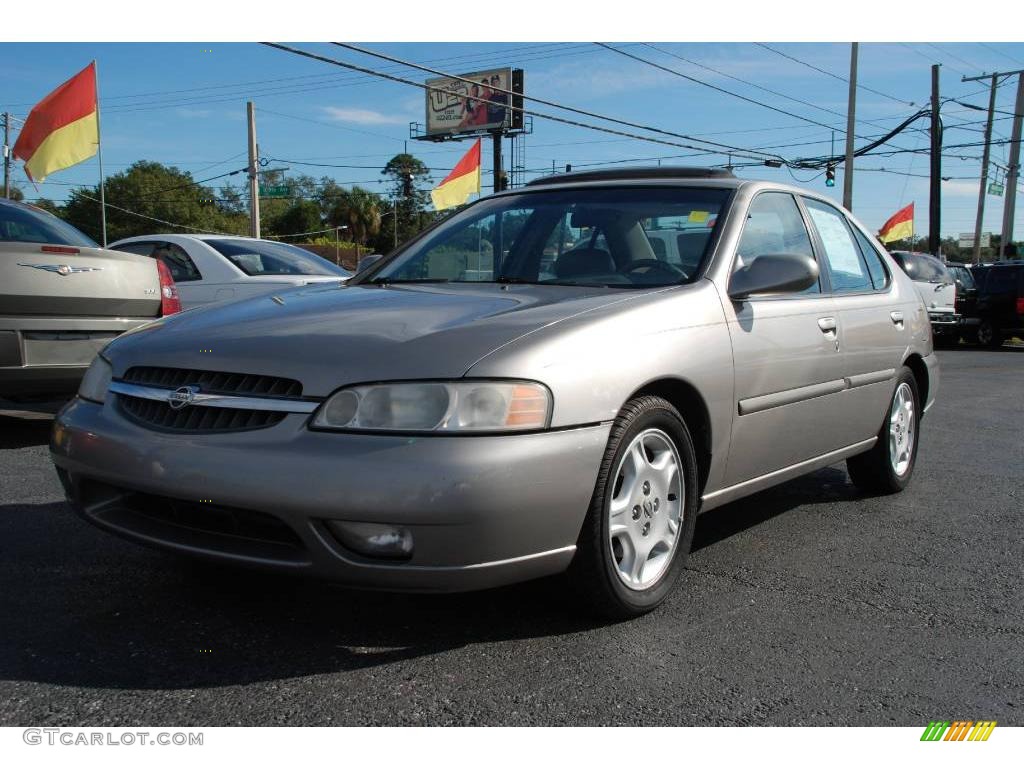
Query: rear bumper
(49, 355)
(945, 321)
(483, 511)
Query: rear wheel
(638, 531)
(989, 335)
(887, 467)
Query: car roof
(190, 236)
(660, 175)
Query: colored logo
(959, 730)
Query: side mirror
(773, 273)
(368, 261)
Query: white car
(937, 288)
(214, 268)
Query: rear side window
(932, 270)
(847, 270)
(25, 224)
(1001, 279)
(774, 225)
(181, 267)
(876, 267)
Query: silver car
(525, 389)
(212, 268)
(63, 298)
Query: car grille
(199, 418)
(242, 384)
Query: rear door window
(847, 270)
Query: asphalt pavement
(808, 604)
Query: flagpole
(99, 153)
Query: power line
(154, 218)
(755, 85)
(545, 102)
(532, 112)
(835, 76)
(723, 90)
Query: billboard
(455, 106)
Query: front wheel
(639, 528)
(887, 467)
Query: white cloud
(364, 116)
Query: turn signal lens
(437, 406)
(96, 381)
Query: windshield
(24, 224)
(963, 276)
(261, 257)
(616, 237)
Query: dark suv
(999, 310)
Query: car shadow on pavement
(825, 485)
(82, 608)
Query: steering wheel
(653, 264)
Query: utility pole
(935, 194)
(394, 222)
(7, 155)
(851, 126)
(1013, 173)
(496, 135)
(983, 189)
(254, 182)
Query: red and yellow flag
(62, 129)
(899, 226)
(463, 181)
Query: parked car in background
(937, 288)
(999, 309)
(966, 299)
(215, 268)
(427, 428)
(63, 298)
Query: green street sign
(995, 188)
(278, 191)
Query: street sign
(967, 239)
(278, 191)
(995, 188)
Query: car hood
(327, 336)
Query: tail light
(1020, 306)
(169, 301)
(58, 249)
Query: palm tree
(359, 210)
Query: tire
(989, 335)
(601, 567)
(876, 471)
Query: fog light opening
(373, 540)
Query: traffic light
(407, 184)
(830, 176)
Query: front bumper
(483, 510)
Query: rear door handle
(827, 324)
(897, 319)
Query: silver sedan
(555, 379)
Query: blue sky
(184, 104)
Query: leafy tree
(359, 210)
(150, 191)
(300, 216)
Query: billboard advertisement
(458, 106)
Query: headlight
(438, 406)
(96, 381)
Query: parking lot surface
(808, 604)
